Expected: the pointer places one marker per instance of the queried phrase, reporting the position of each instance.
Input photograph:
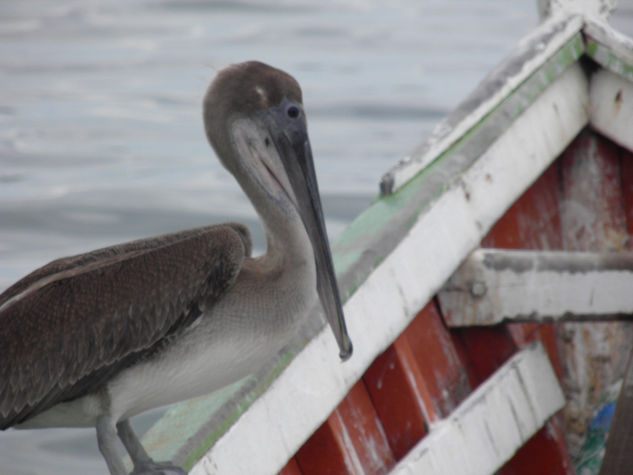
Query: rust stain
(617, 102)
(593, 218)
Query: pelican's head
(254, 119)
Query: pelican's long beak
(289, 132)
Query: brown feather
(81, 319)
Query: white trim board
(530, 54)
(483, 433)
(495, 285)
(611, 107)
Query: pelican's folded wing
(69, 326)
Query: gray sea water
(101, 136)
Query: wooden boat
(484, 289)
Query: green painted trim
(609, 59)
(349, 248)
(357, 252)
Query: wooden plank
(485, 350)
(592, 219)
(544, 453)
(416, 381)
(549, 49)
(397, 400)
(437, 360)
(291, 468)
(493, 422)
(495, 285)
(609, 48)
(350, 441)
(532, 222)
(611, 102)
(618, 457)
(626, 171)
(384, 260)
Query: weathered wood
(496, 285)
(351, 441)
(609, 48)
(431, 347)
(626, 172)
(532, 222)
(493, 422)
(417, 381)
(394, 391)
(533, 52)
(598, 9)
(592, 219)
(618, 457)
(291, 468)
(611, 102)
(545, 453)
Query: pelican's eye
(293, 111)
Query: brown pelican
(93, 339)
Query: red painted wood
(626, 171)
(291, 468)
(484, 350)
(532, 222)
(593, 218)
(416, 381)
(324, 452)
(351, 441)
(437, 359)
(525, 333)
(544, 453)
(397, 404)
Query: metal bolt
(478, 289)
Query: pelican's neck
(287, 242)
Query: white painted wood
(303, 396)
(597, 9)
(614, 50)
(543, 42)
(493, 422)
(495, 285)
(611, 107)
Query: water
(100, 124)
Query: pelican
(93, 339)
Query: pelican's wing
(69, 326)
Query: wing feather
(70, 325)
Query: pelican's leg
(143, 464)
(132, 444)
(107, 441)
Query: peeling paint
(498, 409)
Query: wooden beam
(499, 285)
(611, 106)
(609, 48)
(530, 58)
(618, 458)
(493, 422)
(350, 441)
